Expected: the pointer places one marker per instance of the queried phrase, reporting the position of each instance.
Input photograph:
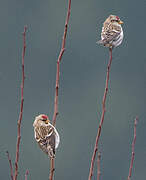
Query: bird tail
(99, 42)
(51, 151)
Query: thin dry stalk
(52, 169)
(10, 164)
(98, 166)
(102, 117)
(133, 150)
(26, 174)
(21, 108)
(58, 64)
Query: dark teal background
(82, 82)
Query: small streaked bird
(46, 135)
(112, 33)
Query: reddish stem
(10, 163)
(102, 117)
(26, 174)
(58, 64)
(52, 169)
(98, 166)
(133, 150)
(21, 108)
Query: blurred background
(82, 82)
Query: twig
(10, 163)
(52, 169)
(102, 116)
(133, 149)
(58, 64)
(21, 108)
(26, 174)
(98, 166)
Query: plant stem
(102, 116)
(133, 149)
(21, 108)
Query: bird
(112, 32)
(46, 135)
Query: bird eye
(114, 20)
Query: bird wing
(57, 137)
(51, 144)
(41, 132)
(45, 136)
(48, 138)
(110, 33)
(111, 36)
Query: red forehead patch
(117, 17)
(44, 117)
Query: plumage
(112, 32)
(46, 135)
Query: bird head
(45, 119)
(114, 20)
(42, 119)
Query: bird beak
(47, 121)
(120, 22)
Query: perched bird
(46, 135)
(112, 33)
